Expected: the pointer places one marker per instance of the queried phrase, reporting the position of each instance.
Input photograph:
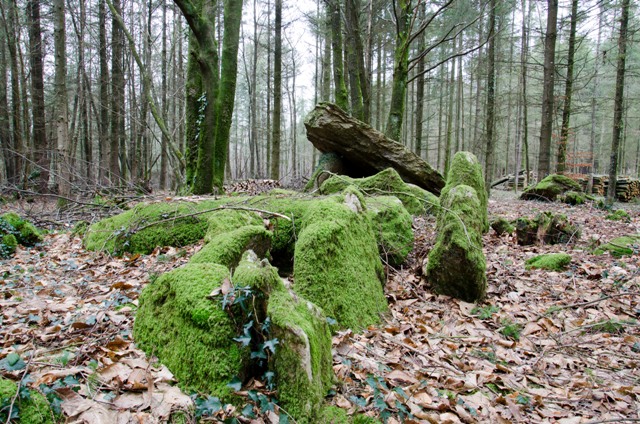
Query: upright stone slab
(456, 265)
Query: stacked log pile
(627, 188)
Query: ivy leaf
(284, 419)
(271, 345)
(13, 362)
(359, 401)
(331, 321)
(209, 406)
(247, 411)
(245, 340)
(235, 384)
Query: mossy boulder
(456, 265)
(550, 261)
(502, 226)
(465, 169)
(15, 230)
(550, 188)
(302, 362)
(227, 247)
(336, 263)
(131, 231)
(574, 198)
(546, 228)
(181, 324)
(227, 220)
(621, 246)
(392, 227)
(386, 183)
(31, 409)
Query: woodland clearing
(545, 346)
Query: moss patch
(618, 215)
(190, 332)
(392, 226)
(574, 198)
(227, 248)
(27, 233)
(502, 226)
(34, 410)
(551, 262)
(336, 264)
(546, 228)
(388, 182)
(550, 188)
(621, 246)
(228, 220)
(302, 362)
(465, 169)
(456, 265)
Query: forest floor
(557, 347)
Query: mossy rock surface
(302, 363)
(386, 183)
(15, 230)
(550, 262)
(465, 169)
(392, 227)
(550, 188)
(456, 265)
(227, 248)
(546, 228)
(34, 410)
(502, 226)
(190, 332)
(574, 198)
(621, 246)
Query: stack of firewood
(600, 184)
(627, 188)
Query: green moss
(8, 245)
(502, 226)
(365, 419)
(574, 198)
(387, 182)
(550, 261)
(621, 246)
(618, 215)
(546, 228)
(188, 331)
(32, 410)
(333, 415)
(302, 362)
(257, 274)
(465, 169)
(126, 232)
(336, 264)
(392, 226)
(26, 233)
(550, 188)
(456, 265)
(228, 220)
(227, 248)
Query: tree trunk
(36, 58)
(546, 121)
(491, 100)
(594, 104)
(618, 102)
(277, 94)
(568, 92)
(393, 129)
(164, 159)
(103, 145)
(117, 99)
(61, 106)
(340, 88)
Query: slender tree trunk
(618, 102)
(62, 117)
(568, 92)
(491, 100)
(340, 88)
(36, 56)
(165, 106)
(449, 134)
(6, 149)
(594, 104)
(103, 145)
(546, 121)
(420, 88)
(116, 162)
(277, 94)
(393, 129)
(253, 137)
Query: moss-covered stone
(392, 226)
(550, 261)
(465, 169)
(190, 332)
(227, 220)
(546, 228)
(8, 245)
(621, 246)
(618, 215)
(25, 232)
(550, 188)
(456, 265)
(227, 248)
(32, 410)
(502, 226)
(384, 183)
(574, 198)
(302, 362)
(336, 264)
(130, 231)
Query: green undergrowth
(30, 407)
(550, 261)
(618, 215)
(621, 246)
(14, 231)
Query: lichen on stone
(180, 323)
(550, 262)
(33, 409)
(456, 265)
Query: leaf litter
(548, 347)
